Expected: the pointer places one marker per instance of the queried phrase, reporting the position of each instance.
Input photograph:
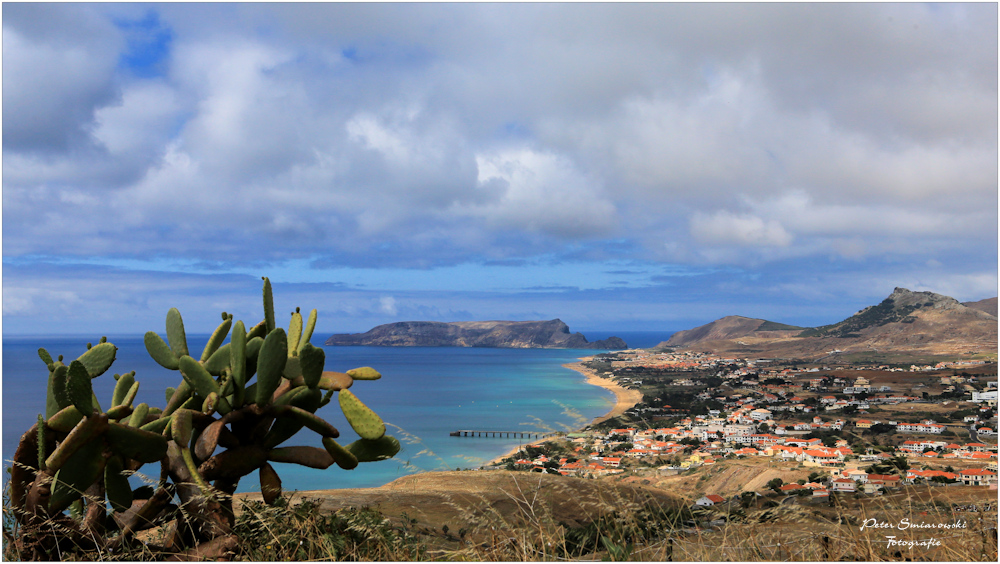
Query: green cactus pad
(215, 341)
(120, 411)
(219, 361)
(56, 398)
(307, 331)
(181, 427)
(40, 433)
(343, 457)
(76, 475)
(259, 330)
(197, 377)
(311, 360)
(364, 373)
(139, 414)
(285, 428)
(372, 451)
(78, 388)
(122, 387)
(310, 420)
(238, 362)
(64, 420)
(45, 356)
(270, 484)
(136, 444)
(116, 485)
(85, 432)
(98, 359)
(310, 457)
(294, 396)
(363, 420)
(130, 395)
(294, 333)
(293, 368)
(178, 398)
(159, 351)
(157, 425)
(175, 333)
(270, 364)
(268, 306)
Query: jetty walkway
(500, 434)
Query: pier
(500, 434)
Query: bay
(425, 394)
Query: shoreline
(625, 399)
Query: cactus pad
(363, 420)
(270, 484)
(371, 451)
(160, 351)
(364, 373)
(270, 364)
(311, 361)
(175, 333)
(343, 457)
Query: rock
(553, 334)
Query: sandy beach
(625, 399)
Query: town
(861, 429)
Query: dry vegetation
(502, 516)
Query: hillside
(553, 334)
(988, 305)
(731, 327)
(906, 321)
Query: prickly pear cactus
(230, 415)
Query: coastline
(625, 399)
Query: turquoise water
(424, 394)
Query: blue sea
(425, 393)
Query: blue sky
(621, 167)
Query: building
(710, 500)
(978, 477)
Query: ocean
(425, 393)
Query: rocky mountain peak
(903, 298)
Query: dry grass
(504, 516)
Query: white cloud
(725, 228)
(387, 305)
(541, 192)
(426, 134)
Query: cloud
(541, 192)
(59, 68)
(425, 136)
(725, 228)
(387, 305)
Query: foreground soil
(471, 499)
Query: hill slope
(552, 334)
(908, 321)
(731, 327)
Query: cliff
(552, 334)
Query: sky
(623, 167)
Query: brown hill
(731, 327)
(989, 305)
(911, 322)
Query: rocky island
(553, 334)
